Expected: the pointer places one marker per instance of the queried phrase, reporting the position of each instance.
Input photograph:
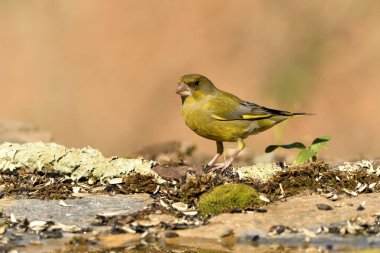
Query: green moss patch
(228, 197)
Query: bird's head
(194, 85)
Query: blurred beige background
(104, 73)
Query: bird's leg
(219, 152)
(226, 164)
(240, 147)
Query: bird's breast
(199, 119)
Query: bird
(223, 117)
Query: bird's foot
(217, 168)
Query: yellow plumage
(221, 116)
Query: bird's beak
(183, 89)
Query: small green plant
(228, 197)
(306, 154)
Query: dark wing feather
(259, 110)
(227, 107)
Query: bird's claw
(217, 167)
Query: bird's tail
(298, 114)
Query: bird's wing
(232, 108)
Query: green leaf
(310, 153)
(319, 143)
(304, 156)
(298, 145)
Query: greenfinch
(220, 116)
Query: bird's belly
(224, 131)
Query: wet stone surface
(79, 211)
(327, 241)
(319, 205)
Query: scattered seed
(128, 229)
(352, 193)
(144, 234)
(309, 233)
(38, 225)
(362, 188)
(163, 203)
(13, 218)
(67, 228)
(180, 206)
(190, 212)
(265, 199)
(51, 181)
(76, 189)
(157, 190)
(116, 180)
(63, 203)
(281, 189)
(372, 185)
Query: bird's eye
(196, 83)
